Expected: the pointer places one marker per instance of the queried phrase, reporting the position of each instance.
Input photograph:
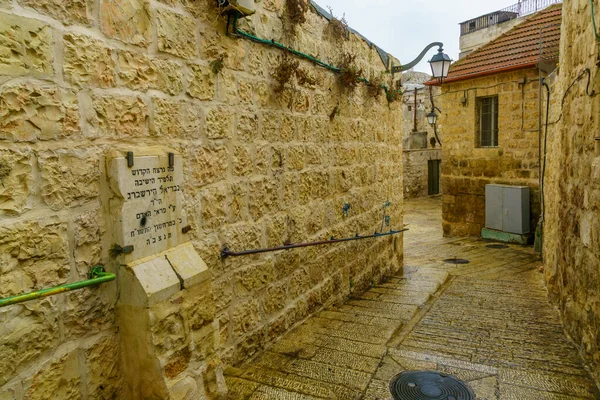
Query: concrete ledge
(499, 236)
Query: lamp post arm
(411, 64)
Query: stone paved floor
(487, 322)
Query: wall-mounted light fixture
(440, 63)
(432, 119)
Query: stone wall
(467, 168)
(416, 171)
(408, 110)
(572, 186)
(423, 108)
(79, 79)
(417, 145)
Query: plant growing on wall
(334, 113)
(218, 64)
(393, 95)
(296, 11)
(287, 70)
(338, 26)
(375, 87)
(350, 75)
(304, 78)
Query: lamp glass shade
(440, 65)
(432, 118)
(437, 68)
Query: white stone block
(146, 204)
(188, 265)
(148, 283)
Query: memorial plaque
(146, 204)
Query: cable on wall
(543, 199)
(587, 91)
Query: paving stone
(378, 390)
(269, 393)
(488, 323)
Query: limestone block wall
(466, 168)
(572, 186)
(408, 111)
(423, 108)
(81, 79)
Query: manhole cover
(497, 246)
(456, 261)
(425, 385)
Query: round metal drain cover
(456, 261)
(497, 246)
(426, 385)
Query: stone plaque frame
(146, 204)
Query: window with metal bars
(487, 108)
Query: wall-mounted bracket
(400, 68)
(130, 161)
(117, 250)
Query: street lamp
(432, 117)
(440, 63)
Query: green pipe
(282, 47)
(97, 277)
(293, 51)
(594, 21)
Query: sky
(404, 28)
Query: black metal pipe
(225, 252)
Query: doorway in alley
(433, 168)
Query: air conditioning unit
(507, 208)
(246, 7)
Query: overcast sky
(404, 27)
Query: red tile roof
(516, 49)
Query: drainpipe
(540, 115)
(415, 110)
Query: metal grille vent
(426, 385)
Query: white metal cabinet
(507, 208)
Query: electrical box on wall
(246, 7)
(507, 208)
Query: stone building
(491, 117)
(571, 228)
(421, 154)
(143, 136)
(476, 32)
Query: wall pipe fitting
(97, 276)
(225, 252)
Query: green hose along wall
(97, 277)
(297, 53)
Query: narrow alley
(487, 322)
